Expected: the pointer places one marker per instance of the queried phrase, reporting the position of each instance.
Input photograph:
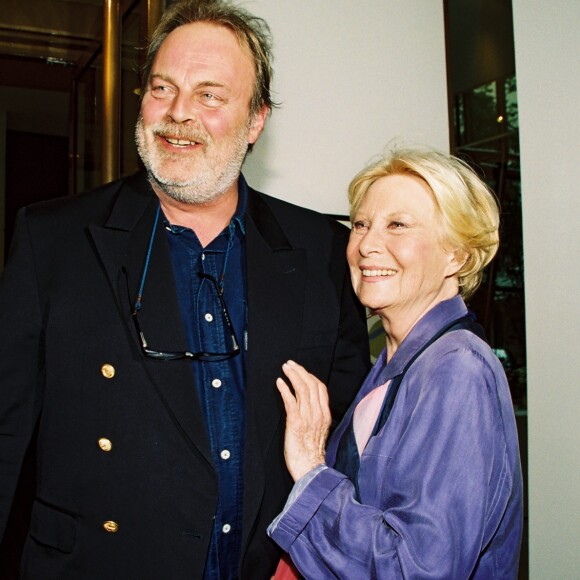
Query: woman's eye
(359, 227)
(397, 225)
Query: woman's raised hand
(307, 419)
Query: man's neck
(207, 220)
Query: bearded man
(143, 326)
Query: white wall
(547, 47)
(351, 77)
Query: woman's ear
(456, 261)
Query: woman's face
(398, 265)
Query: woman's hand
(307, 419)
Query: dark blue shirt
(221, 385)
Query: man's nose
(182, 109)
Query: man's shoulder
(293, 215)
(90, 204)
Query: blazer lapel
(276, 275)
(122, 245)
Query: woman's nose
(371, 243)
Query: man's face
(195, 124)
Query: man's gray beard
(202, 187)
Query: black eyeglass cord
(221, 279)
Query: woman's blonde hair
(468, 209)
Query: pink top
(366, 414)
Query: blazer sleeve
(20, 362)
(440, 488)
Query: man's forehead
(204, 43)
(208, 33)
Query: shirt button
(105, 444)
(108, 371)
(225, 454)
(216, 383)
(226, 528)
(208, 317)
(111, 526)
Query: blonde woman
(422, 478)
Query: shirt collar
(428, 326)
(238, 219)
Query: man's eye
(160, 90)
(211, 99)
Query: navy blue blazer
(125, 481)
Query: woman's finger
(298, 380)
(287, 397)
(310, 394)
(305, 384)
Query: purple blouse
(440, 484)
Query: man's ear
(257, 124)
